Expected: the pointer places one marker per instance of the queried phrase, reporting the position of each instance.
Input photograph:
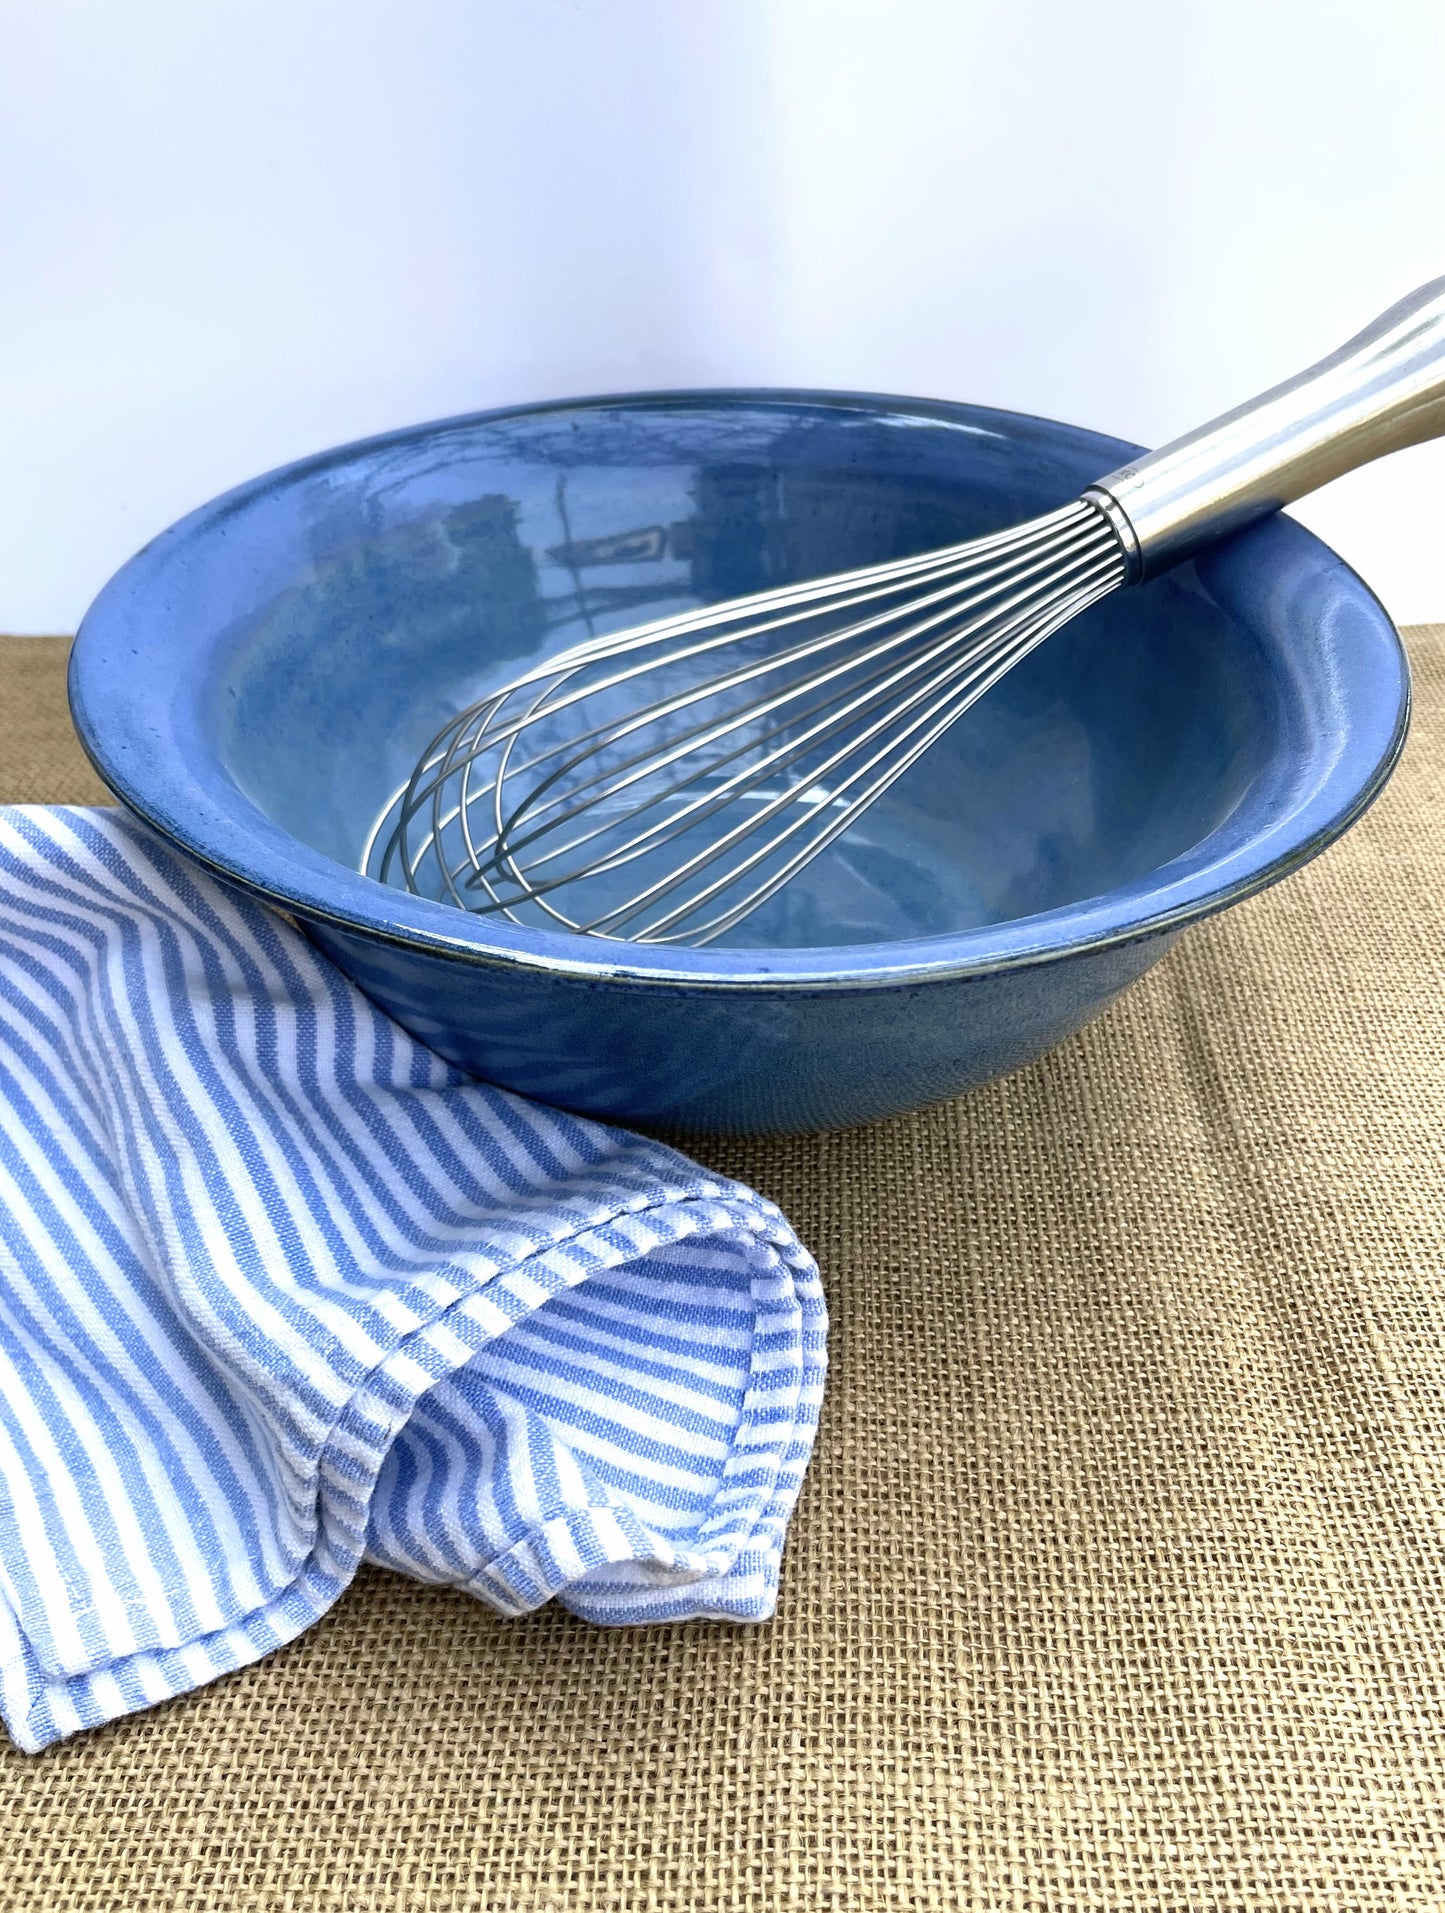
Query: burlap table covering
(1119, 1578)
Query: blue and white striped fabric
(280, 1291)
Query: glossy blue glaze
(261, 677)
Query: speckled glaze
(259, 678)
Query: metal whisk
(659, 784)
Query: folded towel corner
(282, 1291)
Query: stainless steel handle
(1382, 391)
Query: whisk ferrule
(1120, 524)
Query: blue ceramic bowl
(258, 681)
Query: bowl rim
(119, 659)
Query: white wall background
(235, 231)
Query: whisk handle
(1382, 391)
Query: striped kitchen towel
(280, 1292)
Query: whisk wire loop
(854, 698)
(943, 711)
(829, 691)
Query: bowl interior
(438, 564)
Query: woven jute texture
(1119, 1577)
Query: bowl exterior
(780, 1060)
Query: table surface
(1118, 1580)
